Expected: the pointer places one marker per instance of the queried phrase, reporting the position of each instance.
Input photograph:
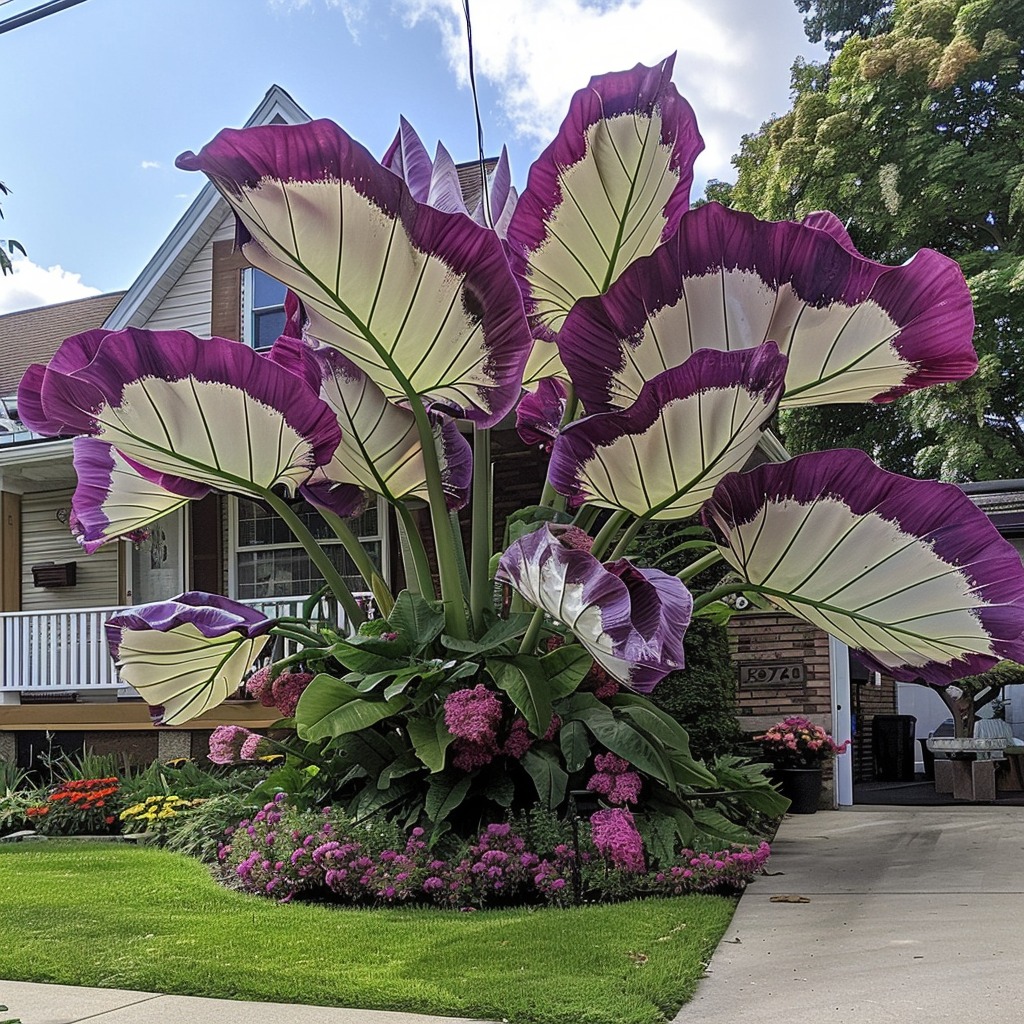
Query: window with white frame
(262, 308)
(269, 562)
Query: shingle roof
(32, 335)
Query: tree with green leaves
(832, 22)
(914, 137)
(11, 245)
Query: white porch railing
(67, 650)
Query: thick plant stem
(703, 600)
(585, 517)
(607, 533)
(532, 632)
(480, 538)
(702, 563)
(417, 554)
(627, 538)
(444, 536)
(549, 497)
(363, 563)
(333, 578)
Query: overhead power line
(42, 11)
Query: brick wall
(775, 640)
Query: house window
(262, 308)
(268, 562)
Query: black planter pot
(802, 786)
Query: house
(58, 687)
(55, 674)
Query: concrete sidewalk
(65, 1004)
(893, 914)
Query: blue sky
(99, 99)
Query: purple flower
(226, 742)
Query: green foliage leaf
(500, 633)
(528, 519)
(716, 827)
(445, 791)
(501, 789)
(572, 738)
(331, 707)
(430, 738)
(548, 775)
(565, 668)
(403, 765)
(416, 620)
(524, 681)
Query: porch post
(839, 673)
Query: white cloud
(732, 63)
(31, 285)
(353, 11)
(148, 165)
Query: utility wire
(484, 196)
(42, 11)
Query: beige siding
(187, 305)
(44, 538)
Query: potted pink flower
(798, 748)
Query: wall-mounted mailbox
(54, 574)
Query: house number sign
(779, 673)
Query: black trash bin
(892, 743)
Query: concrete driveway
(878, 915)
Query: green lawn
(119, 916)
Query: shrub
(703, 698)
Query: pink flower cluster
(724, 871)
(282, 853)
(281, 692)
(226, 742)
(473, 715)
(797, 742)
(614, 833)
(614, 780)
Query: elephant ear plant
(646, 346)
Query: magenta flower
(615, 836)
(226, 742)
(473, 714)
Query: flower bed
(284, 853)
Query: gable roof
(195, 228)
(33, 335)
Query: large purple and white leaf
(438, 182)
(908, 572)
(380, 448)
(539, 413)
(631, 620)
(186, 655)
(690, 425)
(206, 410)
(608, 190)
(113, 498)
(854, 330)
(422, 301)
